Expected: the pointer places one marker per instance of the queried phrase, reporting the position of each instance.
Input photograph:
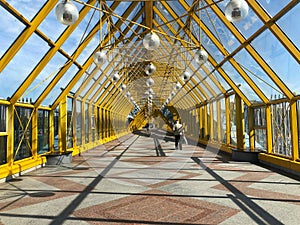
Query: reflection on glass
(43, 131)
(279, 59)
(281, 129)
(22, 133)
(22, 64)
(288, 23)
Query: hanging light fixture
(115, 77)
(150, 69)
(236, 10)
(151, 41)
(66, 12)
(149, 82)
(177, 86)
(100, 56)
(186, 76)
(123, 87)
(201, 55)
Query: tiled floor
(139, 179)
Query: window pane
(3, 149)
(78, 123)
(23, 133)
(70, 120)
(2, 118)
(43, 131)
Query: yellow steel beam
(246, 44)
(225, 53)
(294, 130)
(149, 14)
(27, 32)
(269, 133)
(275, 29)
(41, 65)
(240, 125)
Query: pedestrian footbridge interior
(78, 74)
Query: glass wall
(43, 131)
(69, 122)
(23, 133)
(281, 129)
(78, 123)
(56, 128)
(3, 137)
(260, 128)
(87, 127)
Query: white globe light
(115, 77)
(123, 87)
(150, 96)
(201, 56)
(177, 86)
(151, 41)
(150, 69)
(150, 90)
(150, 82)
(186, 76)
(172, 94)
(127, 95)
(100, 58)
(236, 10)
(66, 12)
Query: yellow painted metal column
(201, 122)
(294, 130)
(240, 123)
(211, 127)
(269, 129)
(63, 125)
(219, 120)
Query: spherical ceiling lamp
(100, 58)
(115, 77)
(149, 82)
(66, 12)
(127, 95)
(150, 69)
(236, 10)
(186, 76)
(172, 94)
(151, 41)
(201, 56)
(123, 87)
(150, 96)
(177, 86)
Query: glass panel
(23, 133)
(288, 23)
(271, 7)
(51, 27)
(29, 55)
(220, 31)
(3, 149)
(257, 74)
(78, 123)
(260, 128)
(232, 110)
(70, 122)
(93, 124)
(61, 84)
(45, 77)
(281, 129)
(81, 31)
(223, 120)
(166, 16)
(279, 59)
(215, 121)
(240, 82)
(246, 127)
(56, 129)
(43, 131)
(2, 118)
(12, 28)
(298, 122)
(87, 127)
(28, 10)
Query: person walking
(178, 132)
